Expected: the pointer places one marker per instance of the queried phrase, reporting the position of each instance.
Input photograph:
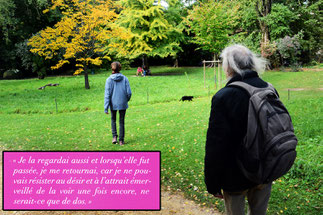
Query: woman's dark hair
(116, 67)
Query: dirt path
(301, 89)
(172, 203)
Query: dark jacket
(227, 128)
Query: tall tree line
(173, 29)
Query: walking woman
(116, 97)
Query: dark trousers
(258, 198)
(122, 114)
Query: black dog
(187, 98)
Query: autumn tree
(86, 34)
(152, 33)
(211, 23)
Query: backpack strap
(270, 86)
(251, 89)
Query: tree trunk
(145, 61)
(263, 8)
(265, 39)
(176, 63)
(86, 78)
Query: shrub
(289, 49)
(271, 53)
(125, 63)
(29, 60)
(12, 74)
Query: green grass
(178, 129)
(23, 96)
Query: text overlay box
(81, 180)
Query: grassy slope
(29, 122)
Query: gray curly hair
(239, 59)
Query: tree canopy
(41, 35)
(86, 33)
(152, 33)
(211, 23)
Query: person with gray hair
(227, 129)
(239, 59)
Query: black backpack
(268, 150)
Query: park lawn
(157, 120)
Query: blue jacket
(117, 92)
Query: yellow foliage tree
(86, 34)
